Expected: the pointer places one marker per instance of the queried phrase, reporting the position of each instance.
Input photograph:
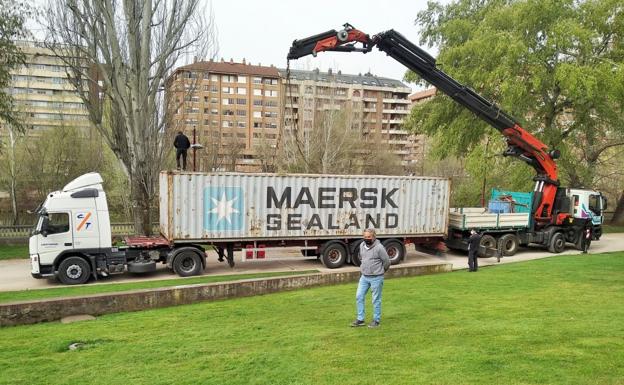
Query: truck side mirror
(44, 226)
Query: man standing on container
(181, 144)
(473, 249)
(374, 263)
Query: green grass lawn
(26, 295)
(552, 321)
(612, 229)
(13, 252)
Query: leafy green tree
(556, 65)
(13, 15)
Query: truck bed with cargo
(506, 223)
(325, 215)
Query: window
(242, 79)
(241, 102)
(228, 101)
(241, 113)
(228, 78)
(214, 88)
(241, 125)
(206, 87)
(214, 111)
(257, 92)
(257, 102)
(225, 124)
(58, 223)
(270, 103)
(257, 80)
(206, 99)
(226, 90)
(228, 112)
(214, 100)
(241, 91)
(257, 114)
(272, 93)
(214, 78)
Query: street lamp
(195, 146)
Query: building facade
(377, 106)
(233, 109)
(43, 94)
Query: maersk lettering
(327, 197)
(332, 198)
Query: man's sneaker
(373, 324)
(357, 323)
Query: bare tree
(119, 54)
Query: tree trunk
(141, 208)
(618, 215)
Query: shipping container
(217, 207)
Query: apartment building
(378, 106)
(233, 109)
(43, 94)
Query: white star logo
(224, 208)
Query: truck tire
(395, 250)
(557, 243)
(509, 244)
(187, 263)
(74, 271)
(487, 242)
(334, 255)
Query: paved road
(15, 274)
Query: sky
(262, 31)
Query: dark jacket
(375, 260)
(181, 142)
(473, 242)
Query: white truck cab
(73, 219)
(72, 240)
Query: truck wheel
(334, 255)
(187, 263)
(355, 258)
(487, 242)
(557, 243)
(74, 271)
(395, 250)
(509, 244)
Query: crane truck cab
(588, 205)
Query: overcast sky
(261, 31)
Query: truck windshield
(594, 204)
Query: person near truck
(374, 263)
(587, 236)
(181, 144)
(473, 249)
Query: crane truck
(558, 215)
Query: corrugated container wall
(234, 206)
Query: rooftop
(338, 77)
(230, 67)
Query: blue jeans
(376, 285)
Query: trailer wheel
(509, 244)
(187, 263)
(395, 250)
(557, 243)
(74, 271)
(487, 242)
(334, 255)
(355, 257)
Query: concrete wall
(28, 312)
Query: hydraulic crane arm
(520, 143)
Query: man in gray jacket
(375, 262)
